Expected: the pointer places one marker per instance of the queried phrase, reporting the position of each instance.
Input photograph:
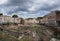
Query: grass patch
(27, 38)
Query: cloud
(29, 8)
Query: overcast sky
(28, 8)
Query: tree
(1, 14)
(14, 16)
(29, 18)
(38, 18)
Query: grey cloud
(14, 6)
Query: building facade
(52, 18)
(31, 21)
(6, 19)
